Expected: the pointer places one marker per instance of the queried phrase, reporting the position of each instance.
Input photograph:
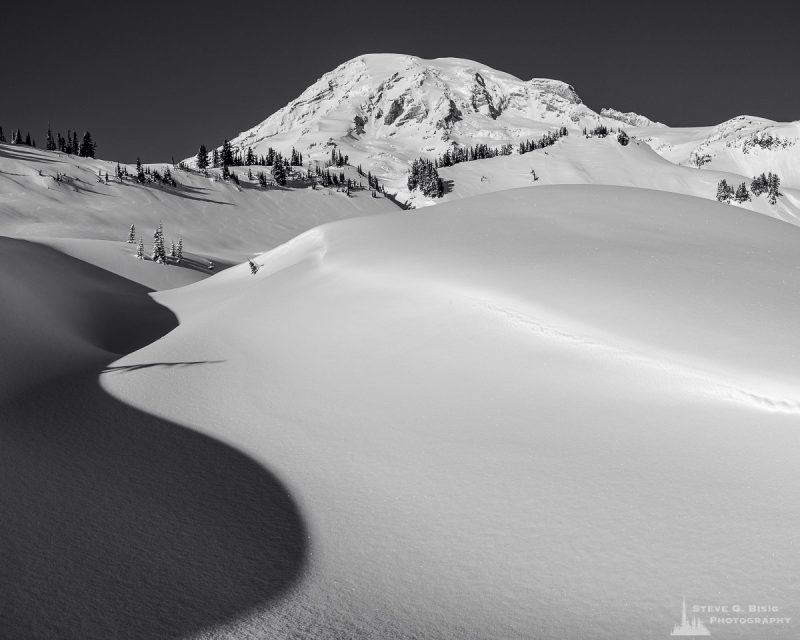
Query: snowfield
(546, 412)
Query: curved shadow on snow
(115, 523)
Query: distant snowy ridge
(629, 118)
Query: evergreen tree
(253, 267)
(202, 158)
(140, 177)
(75, 142)
(132, 235)
(227, 154)
(262, 179)
(159, 254)
(773, 185)
(279, 173)
(2, 136)
(759, 185)
(28, 139)
(50, 144)
(214, 158)
(742, 195)
(140, 250)
(17, 137)
(87, 147)
(173, 250)
(179, 250)
(622, 138)
(724, 191)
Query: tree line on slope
(159, 252)
(86, 148)
(765, 183)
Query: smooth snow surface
(548, 412)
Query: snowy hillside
(603, 161)
(507, 407)
(219, 221)
(744, 145)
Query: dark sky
(156, 79)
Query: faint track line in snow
(710, 385)
(704, 383)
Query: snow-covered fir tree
(724, 191)
(131, 233)
(773, 186)
(159, 253)
(279, 172)
(179, 250)
(140, 250)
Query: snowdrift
(544, 412)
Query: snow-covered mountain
(385, 109)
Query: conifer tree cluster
(227, 156)
(623, 138)
(337, 159)
(159, 253)
(724, 191)
(85, 148)
(424, 176)
(458, 154)
(146, 175)
(372, 182)
(769, 184)
(600, 131)
(16, 138)
(547, 140)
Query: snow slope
(543, 412)
(745, 145)
(219, 221)
(603, 161)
